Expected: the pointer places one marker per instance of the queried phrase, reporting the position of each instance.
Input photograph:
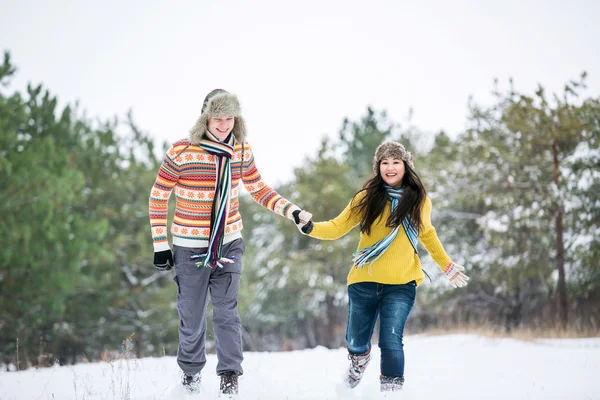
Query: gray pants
(193, 286)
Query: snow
(493, 222)
(583, 152)
(445, 367)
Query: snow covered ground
(437, 367)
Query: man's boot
(191, 382)
(229, 383)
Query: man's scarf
(368, 255)
(223, 151)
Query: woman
(393, 212)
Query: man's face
(221, 127)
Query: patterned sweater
(399, 264)
(192, 175)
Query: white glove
(457, 278)
(302, 218)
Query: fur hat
(391, 149)
(219, 103)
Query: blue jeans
(392, 303)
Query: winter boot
(229, 383)
(191, 382)
(358, 365)
(391, 383)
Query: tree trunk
(560, 247)
(138, 344)
(331, 338)
(248, 340)
(310, 332)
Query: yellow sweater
(399, 264)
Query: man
(206, 171)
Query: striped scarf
(368, 255)
(223, 151)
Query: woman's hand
(454, 273)
(303, 220)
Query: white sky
(450, 367)
(298, 68)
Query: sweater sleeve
(158, 204)
(428, 237)
(262, 193)
(340, 225)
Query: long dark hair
(372, 205)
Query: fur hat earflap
(219, 103)
(394, 150)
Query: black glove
(163, 260)
(304, 228)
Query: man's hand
(163, 260)
(303, 220)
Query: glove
(303, 220)
(457, 278)
(163, 260)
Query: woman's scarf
(368, 255)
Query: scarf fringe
(204, 263)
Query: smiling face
(392, 171)
(221, 127)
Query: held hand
(163, 260)
(303, 220)
(454, 273)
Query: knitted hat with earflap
(218, 104)
(393, 150)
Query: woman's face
(392, 171)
